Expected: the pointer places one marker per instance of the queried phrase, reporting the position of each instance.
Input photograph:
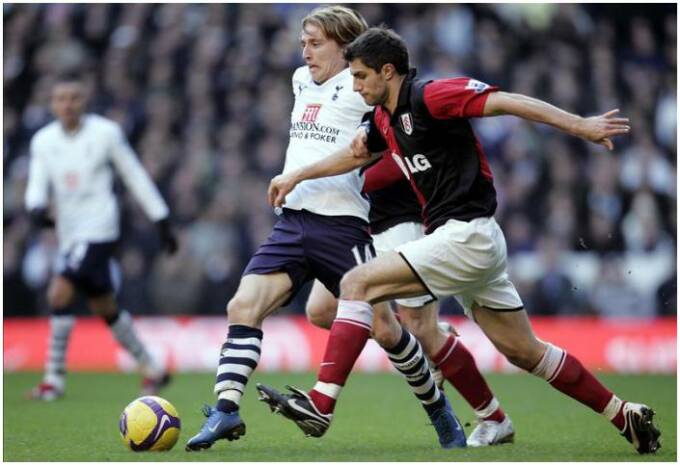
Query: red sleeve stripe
(450, 98)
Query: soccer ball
(149, 423)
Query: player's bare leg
(457, 365)
(257, 297)
(513, 336)
(351, 329)
(60, 295)
(321, 306)
(121, 325)
(321, 310)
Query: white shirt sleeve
(136, 178)
(37, 190)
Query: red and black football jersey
(430, 139)
(391, 197)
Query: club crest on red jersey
(311, 112)
(407, 123)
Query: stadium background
(203, 94)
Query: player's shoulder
(302, 75)
(100, 123)
(45, 134)
(345, 77)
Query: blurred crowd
(203, 94)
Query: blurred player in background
(395, 218)
(73, 160)
(424, 126)
(322, 233)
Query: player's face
(323, 56)
(370, 84)
(68, 102)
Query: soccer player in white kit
(72, 165)
(322, 233)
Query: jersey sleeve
(381, 174)
(374, 141)
(136, 178)
(456, 98)
(37, 190)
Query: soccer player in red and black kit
(424, 125)
(395, 218)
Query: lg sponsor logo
(415, 164)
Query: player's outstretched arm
(597, 129)
(341, 162)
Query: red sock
(459, 368)
(619, 420)
(349, 333)
(577, 382)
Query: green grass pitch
(377, 420)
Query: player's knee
(419, 327)
(353, 285)
(58, 298)
(385, 335)
(522, 353)
(241, 311)
(320, 316)
(103, 306)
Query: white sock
(55, 364)
(124, 332)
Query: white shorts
(466, 260)
(389, 240)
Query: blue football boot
(449, 429)
(219, 425)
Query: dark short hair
(377, 47)
(69, 77)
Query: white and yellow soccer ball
(149, 423)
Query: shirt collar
(405, 90)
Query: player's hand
(600, 129)
(168, 239)
(359, 145)
(279, 187)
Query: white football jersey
(324, 120)
(78, 168)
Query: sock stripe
(401, 345)
(249, 362)
(239, 356)
(236, 368)
(353, 322)
(237, 353)
(124, 332)
(422, 387)
(249, 340)
(328, 389)
(55, 360)
(415, 369)
(231, 345)
(559, 367)
(357, 311)
(231, 376)
(413, 349)
(430, 396)
(417, 382)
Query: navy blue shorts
(308, 246)
(91, 267)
